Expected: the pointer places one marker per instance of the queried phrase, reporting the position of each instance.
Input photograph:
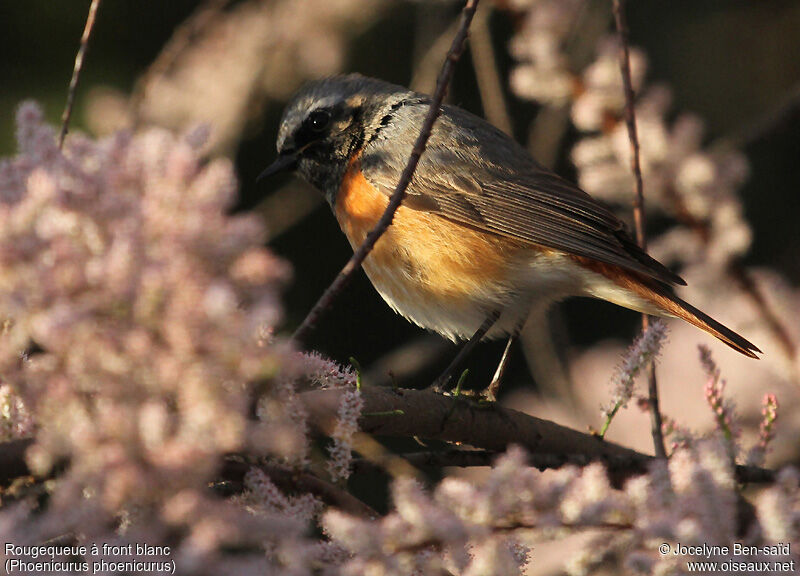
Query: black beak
(286, 161)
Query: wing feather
(474, 174)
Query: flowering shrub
(145, 306)
(490, 527)
(138, 362)
(152, 311)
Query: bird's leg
(490, 393)
(440, 383)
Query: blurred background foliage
(734, 63)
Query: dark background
(734, 63)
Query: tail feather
(671, 305)
(654, 297)
(705, 322)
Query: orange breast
(422, 255)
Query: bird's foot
(489, 394)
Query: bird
(485, 234)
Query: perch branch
(429, 416)
(13, 465)
(656, 425)
(76, 71)
(363, 251)
(468, 458)
(492, 428)
(435, 459)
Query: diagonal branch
(344, 277)
(426, 415)
(204, 16)
(656, 425)
(737, 269)
(76, 71)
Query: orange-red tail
(663, 301)
(674, 306)
(705, 322)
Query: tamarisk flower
(643, 351)
(766, 431)
(262, 496)
(683, 179)
(543, 72)
(770, 413)
(678, 435)
(326, 373)
(777, 509)
(15, 419)
(723, 408)
(346, 427)
(285, 410)
(150, 303)
(486, 526)
(602, 98)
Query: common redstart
(485, 233)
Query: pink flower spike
(644, 350)
(766, 431)
(722, 408)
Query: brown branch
(490, 85)
(437, 543)
(426, 415)
(749, 286)
(430, 416)
(76, 71)
(435, 459)
(656, 425)
(469, 458)
(13, 465)
(344, 277)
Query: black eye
(318, 120)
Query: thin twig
(638, 209)
(408, 360)
(399, 193)
(739, 272)
(773, 321)
(76, 71)
(429, 65)
(776, 117)
(182, 38)
(490, 85)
